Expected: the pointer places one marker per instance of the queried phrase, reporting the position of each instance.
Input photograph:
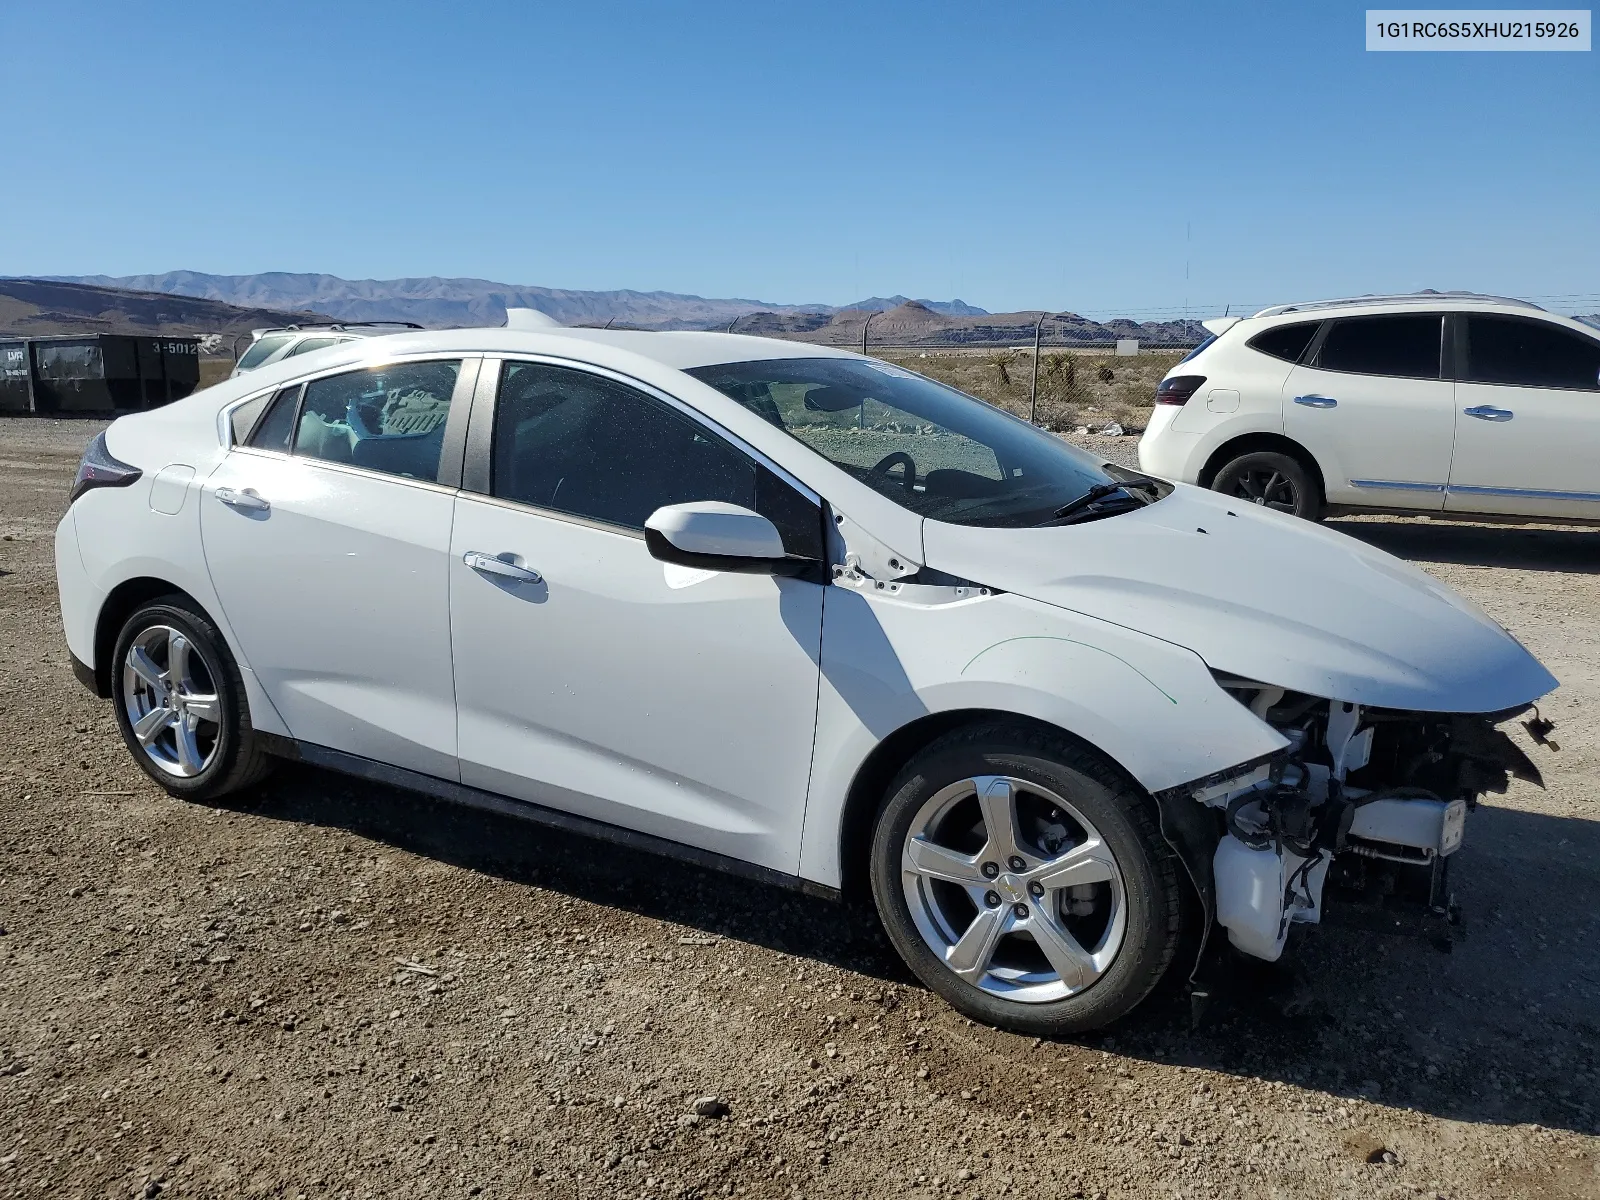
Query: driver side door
(597, 680)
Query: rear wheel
(1025, 881)
(1272, 480)
(180, 703)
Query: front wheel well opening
(1253, 442)
(872, 779)
(122, 602)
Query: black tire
(1125, 817)
(1272, 479)
(235, 757)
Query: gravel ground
(336, 989)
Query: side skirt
(493, 802)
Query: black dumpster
(16, 376)
(100, 372)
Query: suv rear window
(1527, 353)
(263, 349)
(1287, 342)
(1404, 345)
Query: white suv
(291, 341)
(1444, 403)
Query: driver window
(388, 418)
(588, 446)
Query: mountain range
(44, 307)
(191, 302)
(437, 302)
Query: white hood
(1263, 596)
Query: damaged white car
(798, 614)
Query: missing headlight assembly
(1370, 801)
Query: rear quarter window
(1287, 342)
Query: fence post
(866, 325)
(1033, 389)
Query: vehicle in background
(1449, 404)
(798, 614)
(289, 341)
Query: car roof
(678, 349)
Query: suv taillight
(1178, 389)
(98, 469)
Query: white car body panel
(679, 703)
(1265, 597)
(700, 707)
(889, 659)
(1385, 441)
(1544, 460)
(338, 596)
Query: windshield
(262, 349)
(939, 452)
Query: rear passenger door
(591, 677)
(1527, 419)
(326, 530)
(1374, 407)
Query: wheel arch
(1249, 443)
(866, 793)
(121, 603)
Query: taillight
(1178, 389)
(98, 469)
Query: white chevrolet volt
(799, 614)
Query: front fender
(1151, 706)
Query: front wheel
(181, 705)
(1025, 881)
(1272, 480)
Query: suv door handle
(1317, 401)
(488, 564)
(246, 500)
(1488, 412)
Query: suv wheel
(1025, 881)
(180, 703)
(1272, 480)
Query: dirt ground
(337, 989)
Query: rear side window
(1287, 342)
(1405, 346)
(275, 430)
(263, 349)
(589, 446)
(1523, 353)
(388, 418)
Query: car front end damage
(1366, 803)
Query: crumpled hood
(1263, 596)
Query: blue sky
(1103, 158)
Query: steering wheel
(898, 458)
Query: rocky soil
(334, 989)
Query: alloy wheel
(170, 695)
(1013, 889)
(1269, 488)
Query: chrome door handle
(246, 499)
(1317, 401)
(488, 564)
(1488, 412)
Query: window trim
(1463, 353)
(1313, 356)
(477, 476)
(451, 453)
